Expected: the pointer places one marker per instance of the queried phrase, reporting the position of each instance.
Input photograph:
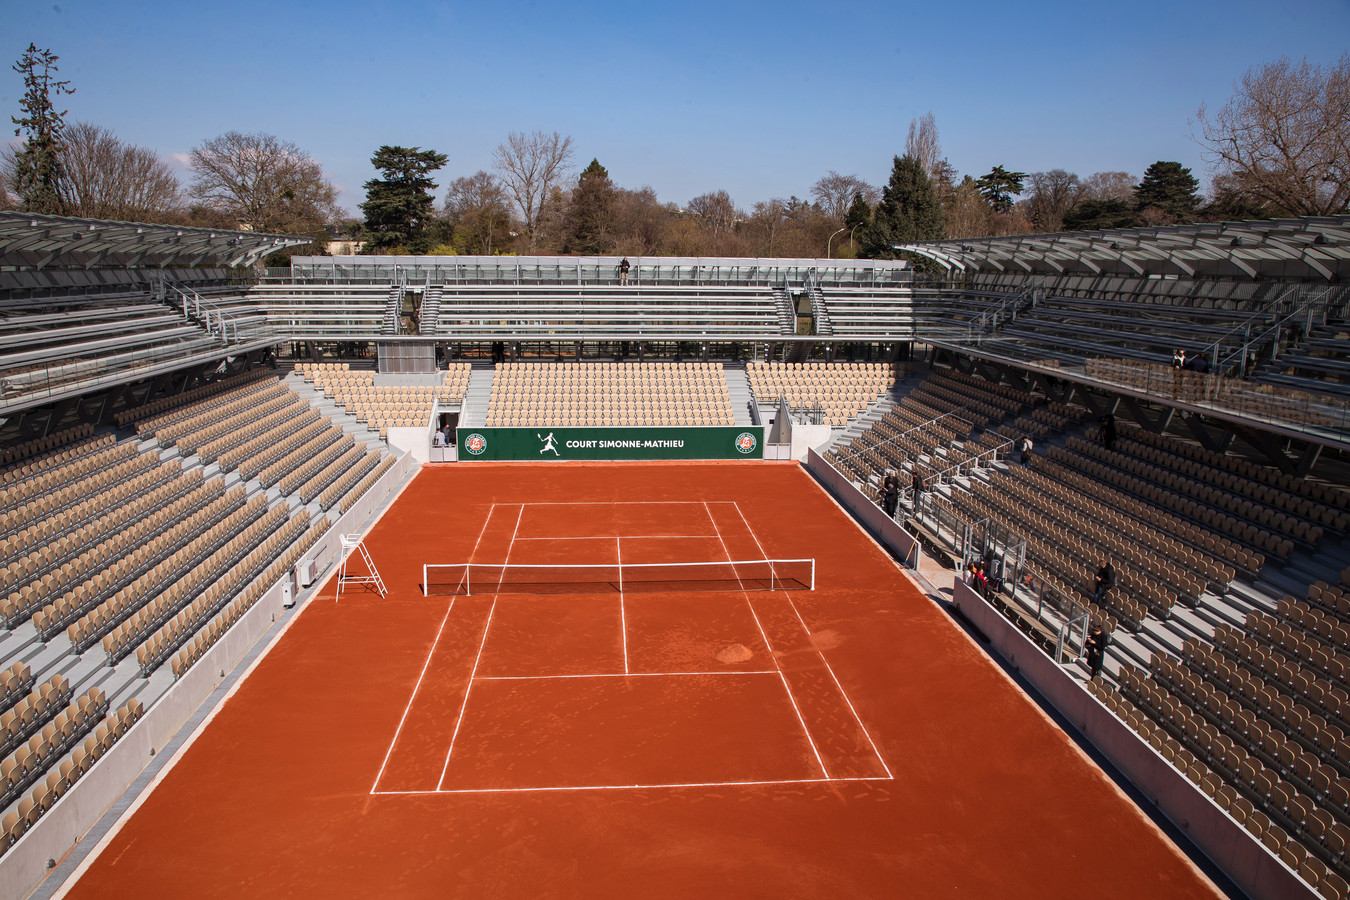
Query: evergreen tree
(858, 215)
(1000, 186)
(37, 166)
(399, 207)
(1169, 188)
(591, 212)
(908, 211)
(1099, 215)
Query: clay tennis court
(742, 740)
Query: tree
(1109, 186)
(400, 205)
(531, 166)
(908, 211)
(835, 192)
(1167, 194)
(1051, 195)
(1284, 137)
(476, 207)
(967, 214)
(1000, 186)
(1099, 215)
(261, 183)
(922, 144)
(38, 172)
(641, 223)
(591, 212)
(107, 179)
(714, 211)
(858, 215)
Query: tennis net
(513, 578)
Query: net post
(426, 584)
(813, 573)
(468, 580)
(773, 577)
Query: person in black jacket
(1094, 649)
(1106, 579)
(890, 492)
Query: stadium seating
(841, 391)
(581, 394)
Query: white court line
(793, 700)
(487, 626)
(627, 675)
(610, 537)
(430, 654)
(638, 787)
(828, 668)
(623, 618)
(624, 502)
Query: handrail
(195, 308)
(951, 414)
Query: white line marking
(623, 618)
(487, 626)
(636, 787)
(627, 675)
(763, 634)
(417, 687)
(427, 664)
(610, 537)
(828, 668)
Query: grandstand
(184, 435)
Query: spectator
(1106, 579)
(1024, 448)
(1108, 431)
(890, 489)
(918, 485)
(623, 271)
(1094, 649)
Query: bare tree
(107, 179)
(835, 193)
(1050, 195)
(1284, 137)
(263, 183)
(1109, 186)
(714, 211)
(478, 209)
(922, 143)
(531, 166)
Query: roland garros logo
(475, 444)
(745, 442)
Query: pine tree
(1169, 188)
(590, 215)
(400, 206)
(908, 211)
(1000, 186)
(859, 213)
(37, 166)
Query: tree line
(1280, 146)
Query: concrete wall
(1232, 848)
(808, 437)
(24, 865)
(416, 441)
(873, 518)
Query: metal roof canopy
(29, 241)
(1313, 248)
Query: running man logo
(550, 444)
(746, 443)
(475, 443)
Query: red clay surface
(846, 742)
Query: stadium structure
(187, 436)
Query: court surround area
(844, 741)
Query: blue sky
(758, 99)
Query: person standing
(623, 271)
(1109, 431)
(918, 485)
(1094, 649)
(890, 491)
(1024, 448)
(1106, 579)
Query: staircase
(738, 387)
(787, 316)
(391, 305)
(431, 309)
(473, 409)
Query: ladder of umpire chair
(352, 542)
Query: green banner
(708, 442)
